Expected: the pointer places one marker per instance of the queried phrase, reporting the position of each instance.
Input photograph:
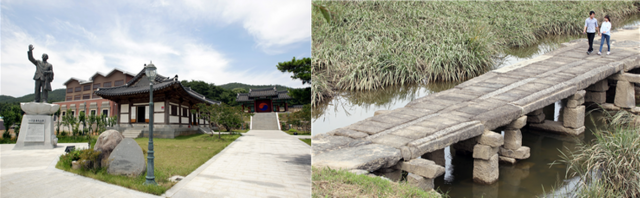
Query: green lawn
(179, 156)
(308, 141)
(338, 183)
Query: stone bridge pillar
(421, 172)
(574, 113)
(625, 95)
(512, 149)
(485, 154)
(597, 93)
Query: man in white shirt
(590, 28)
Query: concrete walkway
(261, 163)
(32, 173)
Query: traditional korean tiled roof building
(264, 100)
(173, 105)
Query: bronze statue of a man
(43, 76)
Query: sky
(215, 41)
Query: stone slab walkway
(32, 173)
(484, 103)
(261, 163)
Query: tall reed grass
(610, 165)
(368, 45)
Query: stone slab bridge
(471, 116)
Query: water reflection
(349, 107)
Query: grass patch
(610, 165)
(308, 141)
(339, 183)
(179, 156)
(292, 131)
(240, 131)
(372, 44)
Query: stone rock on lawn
(126, 159)
(368, 157)
(107, 141)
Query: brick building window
(105, 112)
(76, 97)
(85, 97)
(94, 95)
(106, 84)
(118, 83)
(96, 86)
(69, 98)
(78, 89)
(86, 88)
(69, 90)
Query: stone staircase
(132, 133)
(264, 121)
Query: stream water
(531, 177)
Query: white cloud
(274, 24)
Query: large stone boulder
(107, 141)
(126, 159)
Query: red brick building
(80, 94)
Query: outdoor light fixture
(150, 71)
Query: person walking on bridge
(605, 32)
(590, 28)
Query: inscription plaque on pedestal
(35, 131)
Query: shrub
(293, 130)
(66, 159)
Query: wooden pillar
(242, 107)
(285, 107)
(130, 105)
(180, 113)
(190, 121)
(119, 115)
(272, 109)
(166, 110)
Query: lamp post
(150, 71)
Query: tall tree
(301, 69)
(11, 114)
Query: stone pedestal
(436, 156)
(625, 95)
(485, 154)
(36, 129)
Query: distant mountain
(231, 86)
(54, 96)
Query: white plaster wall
(157, 107)
(146, 112)
(185, 120)
(158, 117)
(124, 118)
(173, 119)
(124, 108)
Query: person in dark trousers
(590, 28)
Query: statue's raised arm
(30, 54)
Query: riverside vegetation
(610, 165)
(340, 183)
(370, 45)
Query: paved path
(32, 173)
(261, 163)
